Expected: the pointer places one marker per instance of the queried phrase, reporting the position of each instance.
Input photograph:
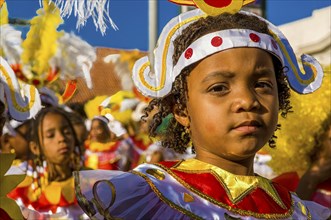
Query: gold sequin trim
(164, 199)
(225, 206)
(156, 173)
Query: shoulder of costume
(193, 202)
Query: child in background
(15, 139)
(222, 77)
(104, 149)
(100, 146)
(48, 188)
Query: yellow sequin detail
(188, 198)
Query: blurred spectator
(15, 139)
(106, 147)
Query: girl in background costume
(222, 77)
(111, 144)
(48, 188)
(103, 148)
(15, 139)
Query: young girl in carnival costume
(103, 148)
(48, 187)
(302, 157)
(222, 77)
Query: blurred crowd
(105, 133)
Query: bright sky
(131, 16)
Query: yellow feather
(40, 44)
(3, 14)
(91, 108)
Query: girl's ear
(181, 116)
(34, 148)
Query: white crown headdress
(22, 100)
(156, 80)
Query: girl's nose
(60, 136)
(245, 100)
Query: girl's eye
(67, 131)
(219, 88)
(49, 135)
(264, 85)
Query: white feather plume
(84, 9)
(74, 58)
(10, 43)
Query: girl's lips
(63, 150)
(247, 128)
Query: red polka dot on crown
(188, 53)
(216, 41)
(254, 37)
(274, 44)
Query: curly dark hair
(174, 135)
(76, 157)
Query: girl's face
(232, 108)
(57, 138)
(99, 132)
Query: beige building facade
(311, 35)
